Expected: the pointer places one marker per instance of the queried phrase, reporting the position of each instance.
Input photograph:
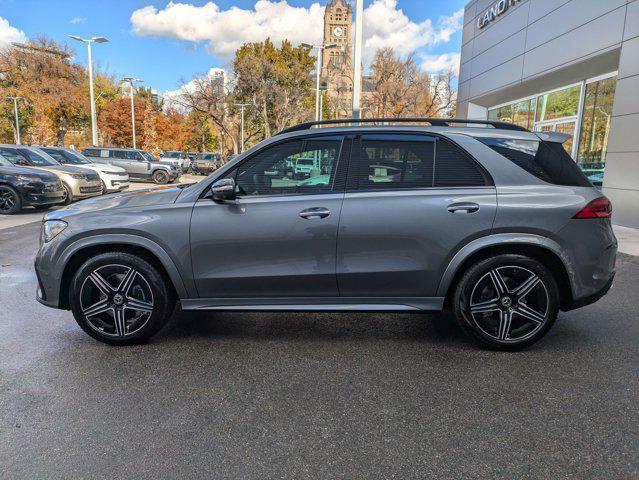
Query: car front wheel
(160, 177)
(506, 302)
(10, 201)
(120, 299)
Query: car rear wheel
(160, 176)
(120, 299)
(506, 302)
(10, 201)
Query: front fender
(502, 239)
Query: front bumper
(39, 194)
(85, 189)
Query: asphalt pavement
(314, 396)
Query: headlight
(51, 229)
(26, 179)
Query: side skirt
(330, 304)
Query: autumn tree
(400, 88)
(42, 72)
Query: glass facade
(595, 128)
(559, 111)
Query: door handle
(315, 212)
(463, 207)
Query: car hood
(138, 198)
(103, 167)
(32, 172)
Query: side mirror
(223, 189)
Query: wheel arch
(141, 247)
(542, 249)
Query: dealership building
(570, 66)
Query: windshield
(4, 162)
(67, 156)
(172, 154)
(39, 159)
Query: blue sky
(165, 44)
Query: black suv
(21, 186)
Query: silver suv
(492, 221)
(139, 164)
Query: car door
(278, 238)
(411, 202)
(139, 165)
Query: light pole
(89, 41)
(242, 105)
(357, 58)
(318, 71)
(131, 81)
(15, 112)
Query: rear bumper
(592, 298)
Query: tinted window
(13, 156)
(395, 161)
(548, 161)
(455, 168)
(55, 154)
(91, 152)
(298, 166)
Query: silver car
(79, 183)
(492, 221)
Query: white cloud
(78, 20)
(441, 63)
(172, 98)
(385, 25)
(227, 30)
(10, 34)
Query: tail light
(598, 208)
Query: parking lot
(298, 395)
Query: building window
(558, 104)
(595, 128)
(520, 113)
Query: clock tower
(338, 18)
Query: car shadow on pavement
(305, 326)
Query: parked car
(21, 187)
(177, 158)
(205, 163)
(114, 179)
(140, 165)
(79, 183)
(494, 222)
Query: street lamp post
(89, 41)
(131, 81)
(17, 116)
(242, 105)
(357, 58)
(318, 71)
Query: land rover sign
(495, 11)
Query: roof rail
(435, 122)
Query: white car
(177, 158)
(114, 179)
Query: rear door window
(394, 161)
(456, 168)
(547, 161)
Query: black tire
(518, 316)
(10, 201)
(104, 187)
(68, 196)
(148, 290)
(160, 177)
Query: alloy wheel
(116, 300)
(509, 304)
(7, 200)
